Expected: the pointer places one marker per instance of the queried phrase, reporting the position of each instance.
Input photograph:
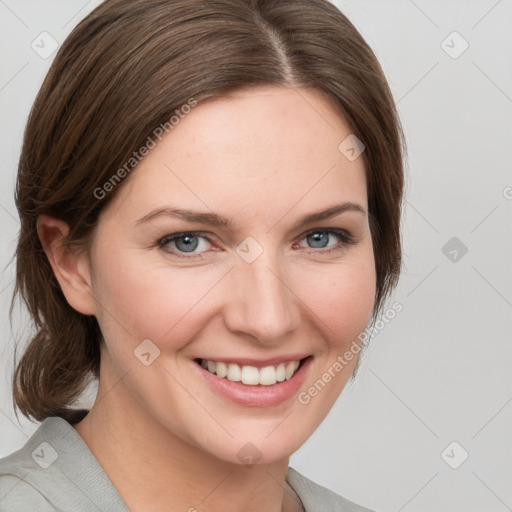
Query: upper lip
(258, 363)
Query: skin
(262, 158)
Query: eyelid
(339, 231)
(344, 238)
(162, 242)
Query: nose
(263, 304)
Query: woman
(209, 196)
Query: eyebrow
(212, 219)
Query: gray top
(56, 471)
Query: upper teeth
(266, 376)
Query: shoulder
(316, 498)
(23, 473)
(55, 471)
(17, 495)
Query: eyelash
(344, 239)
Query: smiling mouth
(250, 375)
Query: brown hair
(123, 71)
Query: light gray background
(440, 371)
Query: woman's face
(247, 284)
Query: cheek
(352, 298)
(342, 298)
(143, 299)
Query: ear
(70, 266)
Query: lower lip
(256, 396)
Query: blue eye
(320, 239)
(184, 244)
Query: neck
(155, 469)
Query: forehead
(268, 148)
